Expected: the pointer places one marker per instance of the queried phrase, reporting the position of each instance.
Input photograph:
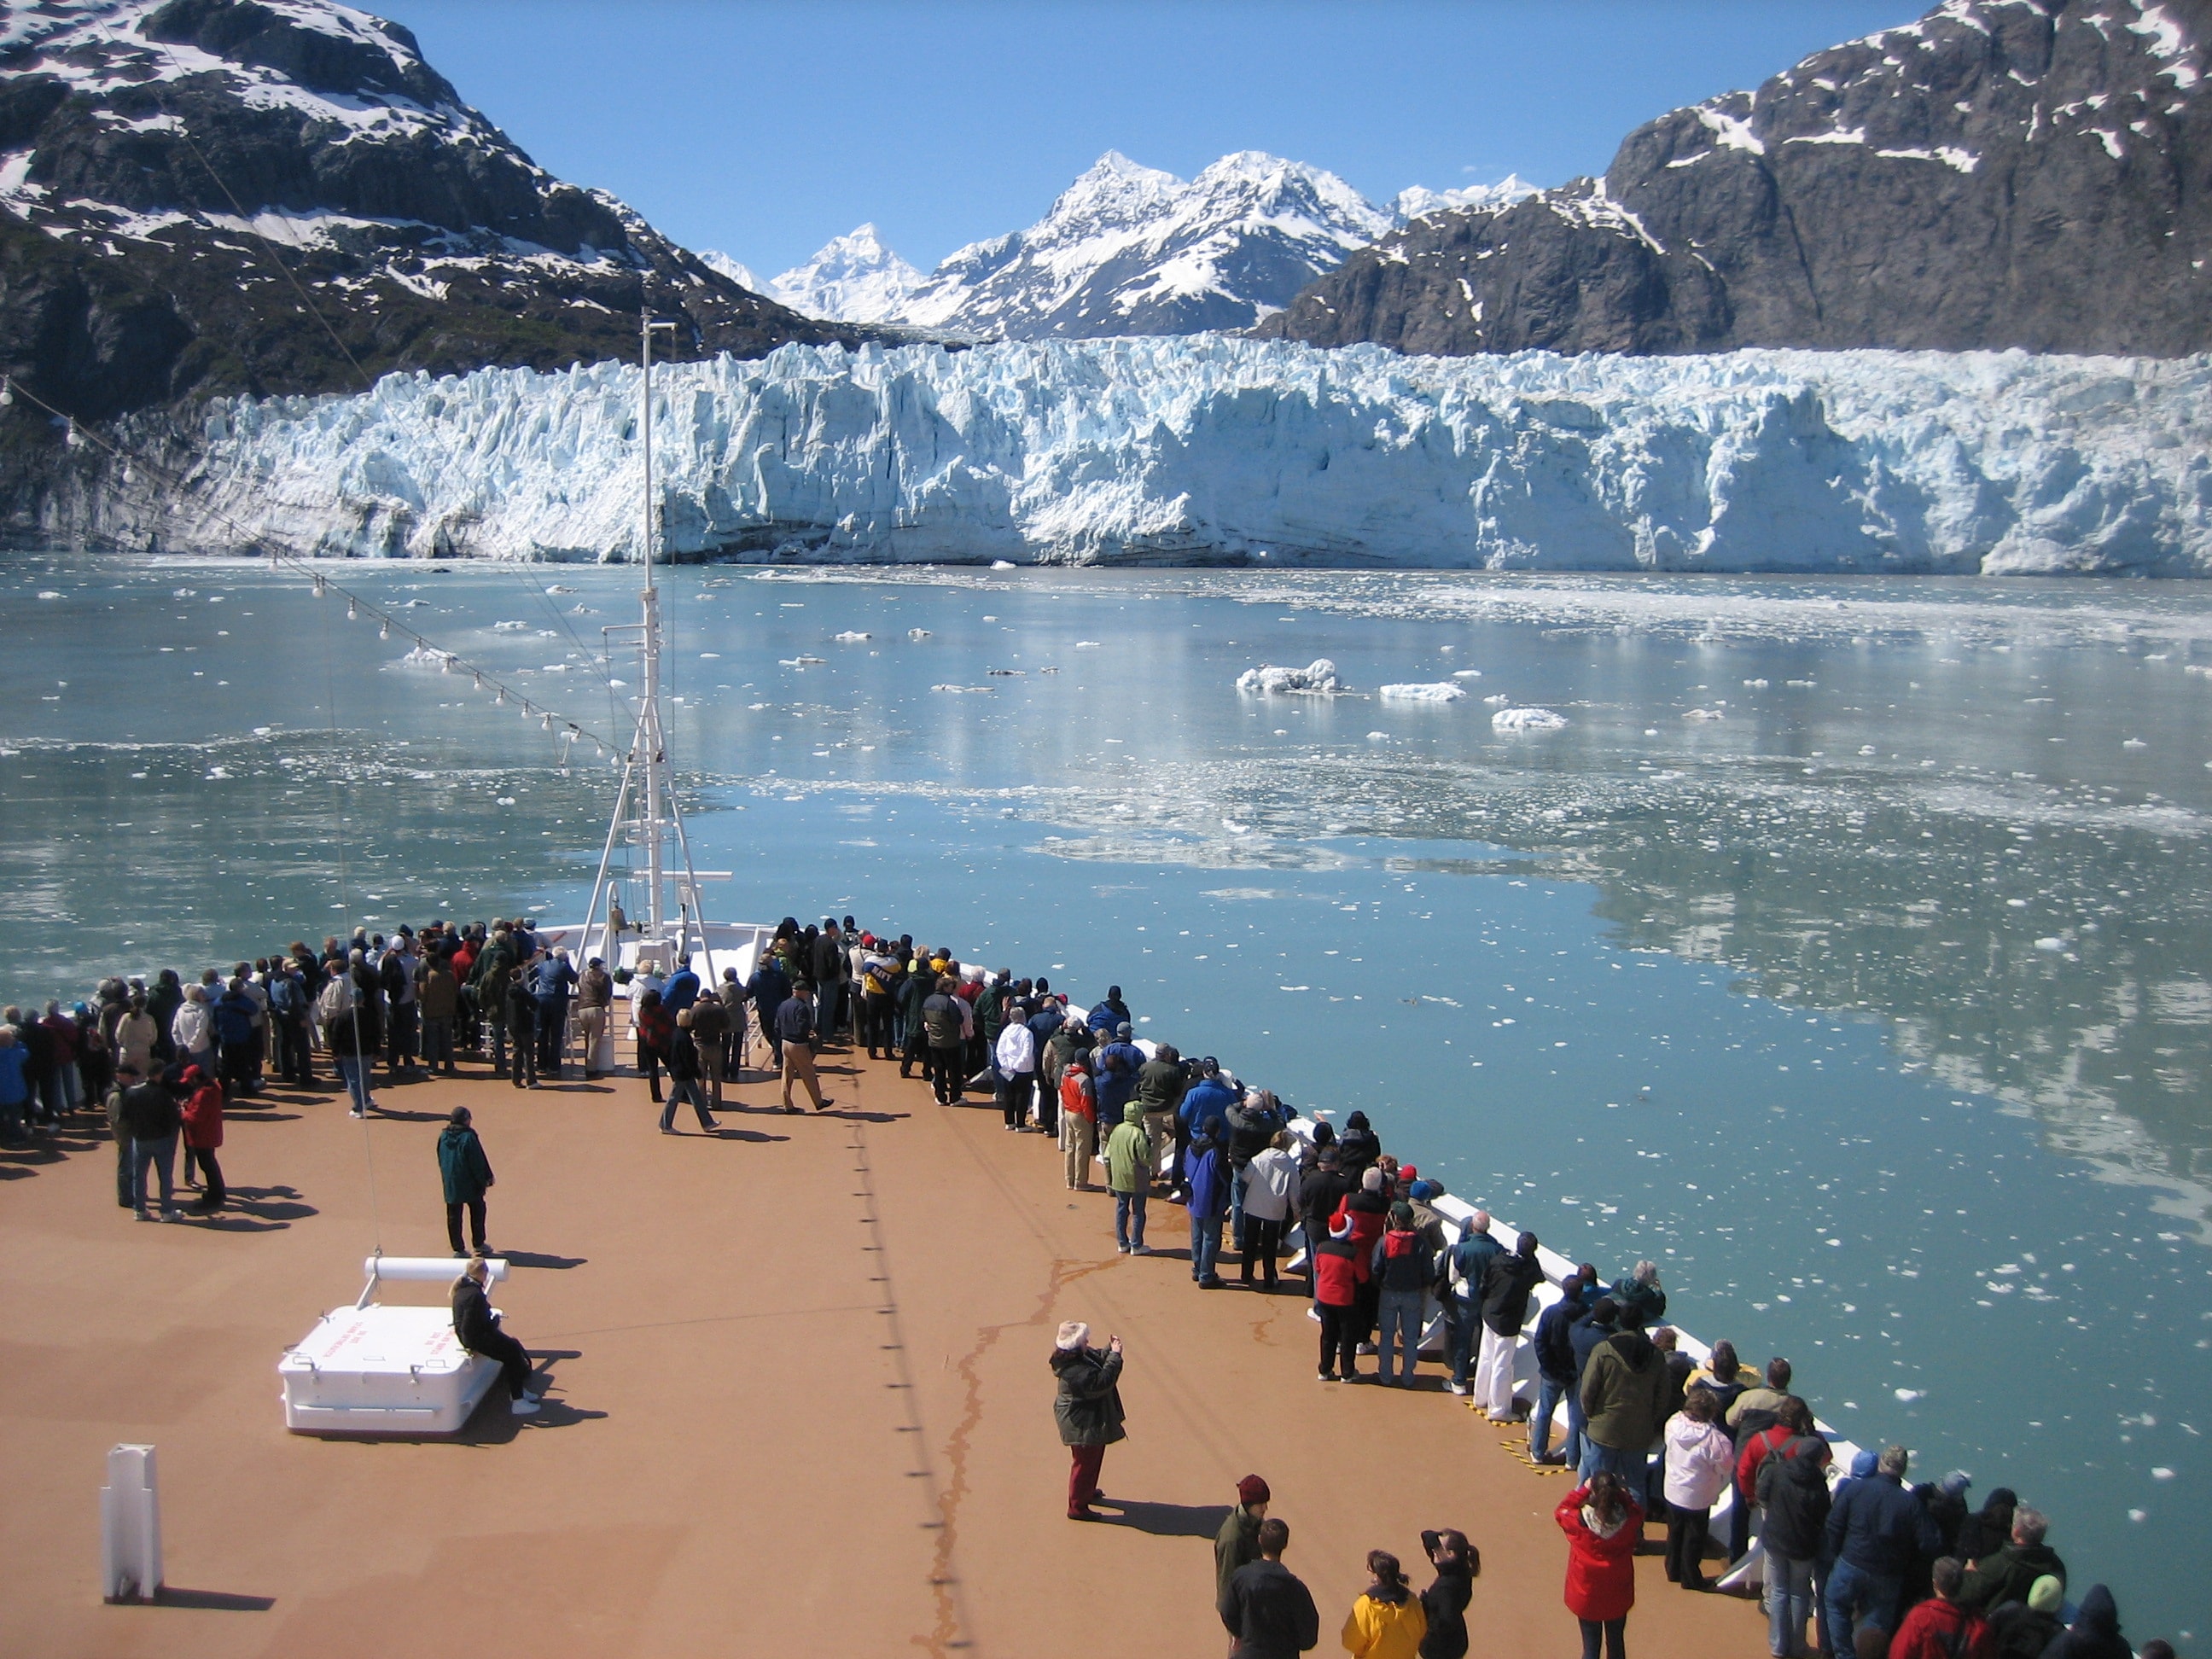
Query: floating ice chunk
(507, 800)
(428, 656)
(1527, 719)
(1466, 673)
(917, 633)
(960, 688)
(2050, 944)
(2161, 1472)
(1378, 736)
(2133, 743)
(184, 593)
(1706, 714)
(710, 656)
(1086, 645)
(510, 627)
(49, 594)
(1317, 678)
(2138, 1514)
(1440, 691)
(802, 662)
(1758, 685)
(1908, 1396)
(848, 635)
(218, 772)
(558, 588)
(1003, 564)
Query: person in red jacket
(1337, 1264)
(1939, 1628)
(202, 1114)
(1792, 1417)
(1602, 1523)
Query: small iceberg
(849, 637)
(1440, 691)
(510, 627)
(1706, 714)
(801, 662)
(1466, 673)
(1527, 719)
(917, 633)
(558, 588)
(428, 656)
(1086, 645)
(1004, 564)
(1317, 678)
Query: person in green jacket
(1129, 1166)
(488, 985)
(1087, 1406)
(2009, 1573)
(467, 1175)
(1624, 1396)
(1238, 1540)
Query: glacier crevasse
(1214, 449)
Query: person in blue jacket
(552, 982)
(236, 1015)
(1206, 1174)
(1556, 1366)
(769, 989)
(682, 989)
(1876, 1531)
(15, 1086)
(1110, 1014)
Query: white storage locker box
(380, 1368)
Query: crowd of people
(1859, 1566)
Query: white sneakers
(526, 1405)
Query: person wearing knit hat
(1336, 1285)
(2023, 1630)
(1238, 1540)
(1088, 1408)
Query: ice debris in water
(1908, 1396)
(1378, 736)
(917, 633)
(428, 656)
(49, 594)
(1003, 564)
(1466, 673)
(1527, 719)
(559, 588)
(1086, 645)
(1441, 691)
(1706, 714)
(1317, 678)
(848, 635)
(510, 627)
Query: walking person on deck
(685, 1073)
(466, 1174)
(795, 1029)
(1088, 1408)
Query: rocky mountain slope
(163, 161)
(2003, 172)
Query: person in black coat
(478, 1327)
(1445, 1601)
(522, 1016)
(2095, 1632)
(1267, 1608)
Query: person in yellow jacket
(1387, 1621)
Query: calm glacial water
(1876, 1003)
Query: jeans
(1548, 1395)
(354, 1071)
(1616, 1638)
(1263, 1239)
(1573, 1450)
(1130, 1220)
(1789, 1604)
(1629, 1465)
(158, 1153)
(680, 1090)
(1339, 1340)
(476, 1209)
(1855, 1596)
(1400, 1327)
(1465, 1327)
(1205, 1247)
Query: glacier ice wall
(1209, 449)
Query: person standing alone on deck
(794, 1028)
(466, 1174)
(1088, 1408)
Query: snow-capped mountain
(853, 278)
(1132, 250)
(153, 155)
(2001, 173)
(1212, 448)
(736, 270)
(1417, 201)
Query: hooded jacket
(1793, 1489)
(1624, 1392)
(1936, 1629)
(1699, 1456)
(1205, 1176)
(462, 1165)
(1207, 1097)
(1336, 1273)
(1880, 1527)
(2008, 1575)
(2019, 1632)
(1507, 1285)
(202, 1113)
(1129, 1153)
(1387, 1622)
(2095, 1632)
(1400, 1261)
(1555, 1353)
(1601, 1565)
(1268, 1179)
(1088, 1406)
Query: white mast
(655, 755)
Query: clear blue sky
(764, 130)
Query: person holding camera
(1089, 1409)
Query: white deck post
(130, 1527)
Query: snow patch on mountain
(1211, 449)
(1417, 201)
(852, 278)
(736, 270)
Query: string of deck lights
(570, 733)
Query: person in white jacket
(1700, 1462)
(193, 1031)
(1017, 1065)
(1267, 1181)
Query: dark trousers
(1261, 1240)
(438, 1043)
(525, 1060)
(942, 1068)
(1368, 1303)
(1084, 1463)
(552, 1026)
(1739, 1538)
(214, 1191)
(1181, 1145)
(122, 1169)
(1616, 1634)
(513, 1360)
(476, 1209)
(1338, 1340)
(236, 1064)
(399, 1037)
(1686, 1544)
(293, 1057)
(1014, 1098)
(680, 1090)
